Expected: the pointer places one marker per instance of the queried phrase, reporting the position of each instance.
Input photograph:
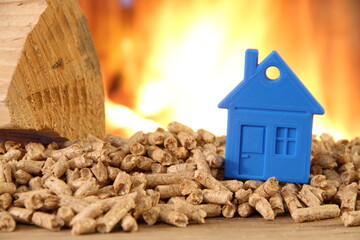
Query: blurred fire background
(166, 60)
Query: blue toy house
(269, 123)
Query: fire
(123, 121)
(177, 60)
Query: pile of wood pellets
(173, 176)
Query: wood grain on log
(49, 73)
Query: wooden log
(50, 79)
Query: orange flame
(177, 60)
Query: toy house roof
(257, 91)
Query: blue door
(252, 151)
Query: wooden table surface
(255, 227)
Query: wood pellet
(173, 176)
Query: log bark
(50, 79)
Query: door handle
(245, 156)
